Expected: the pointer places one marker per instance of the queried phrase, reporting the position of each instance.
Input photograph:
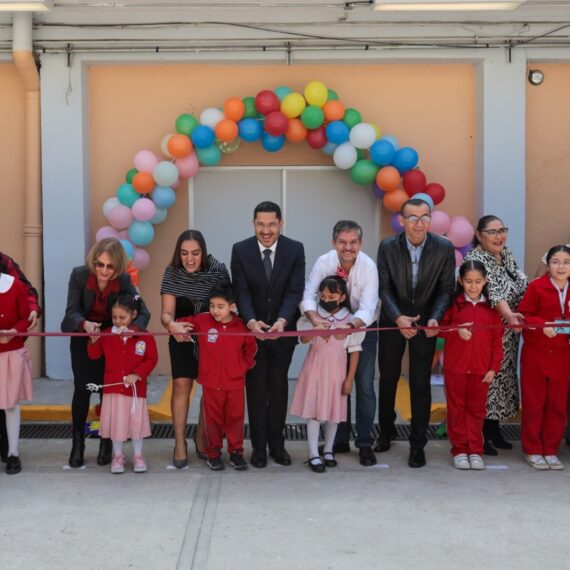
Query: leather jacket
(436, 279)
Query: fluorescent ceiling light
(445, 5)
(26, 6)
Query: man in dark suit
(416, 272)
(268, 272)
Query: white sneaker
(476, 462)
(554, 462)
(537, 462)
(461, 462)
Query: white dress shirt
(273, 248)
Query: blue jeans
(365, 396)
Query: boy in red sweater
(223, 363)
(471, 359)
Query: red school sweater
(138, 355)
(14, 313)
(224, 359)
(540, 305)
(484, 351)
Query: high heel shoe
(77, 450)
(180, 463)
(200, 454)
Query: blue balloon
(382, 152)
(281, 91)
(127, 195)
(329, 148)
(209, 156)
(141, 233)
(405, 159)
(128, 247)
(392, 140)
(159, 217)
(425, 197)
(203, 136)
(163, 197)
(337, 132)
(250, 129)
(271, 143)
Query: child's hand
(347, 386)
(93, 339)
(465, 333)
(489, 377)
(549, 332)
(90, 327)
(5, 336)
(180, 331)
(131, 379)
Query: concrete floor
(388, 517)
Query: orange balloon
(296, 131)
(133, 272)
(234, 108)
(179, 146)
(388, 178)
(226, 130)
(143, 182)
(394, 200)
(334, 110)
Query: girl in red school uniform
(545, 361)
(129, 359)
(471, 358)
(15, 367)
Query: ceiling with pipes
(283, 25)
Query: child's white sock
(137, 447)
(313, 437)
(117, 447)
(13, 429)
(330, 433)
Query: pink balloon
(440, 222)
(460, 232)
(120, 217)
(123, 234)
(143, 209)
(141, 258)
(175, 185)
(106, 232)
(187, 166)
(145, 161)
(458, 258)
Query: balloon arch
(316, 116)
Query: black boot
(105, 455)
(77, 450)
(488, 449)
(496, 436)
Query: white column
(501, 178)
(65, 193)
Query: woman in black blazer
(93, 289)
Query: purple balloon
(395, 222)
(106, 232)
(378, 192)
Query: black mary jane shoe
(316, 467)
(13, 465)
(180, 463)
(329, 462)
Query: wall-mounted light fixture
(26, 6)
(445, 5)
(535, 77)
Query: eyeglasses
(101, 265)
(557, 263)
(495, 233)
(425, 219)
(269, 226)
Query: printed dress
(318, 393)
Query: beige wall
(429, 107)
(548, 163)
(12, 162)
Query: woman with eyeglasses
(92, 291)
(506, 286)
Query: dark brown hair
(482, 224)
(189, 235)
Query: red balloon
(266, 101)
(414, 182)
(317, 138)
(436, 192)
(276, 123)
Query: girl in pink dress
(129, 359)
(15, 367)
(324, 381)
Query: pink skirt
(117, 421)
(15, 378)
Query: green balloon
(332, 95)
(312, 117)
(250, 110)
(185, 124)
(127, 195)
(209, 156)
(130, 175)
(364, 172)
(360, 153)
(439, 343)
(351, 118)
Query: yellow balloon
(376, 130)
(316, 93)
(292, 105)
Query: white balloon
(165, 173)
(211, 117)
(110, 205)
(362, 135)
(164, 145)
(345, 156)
